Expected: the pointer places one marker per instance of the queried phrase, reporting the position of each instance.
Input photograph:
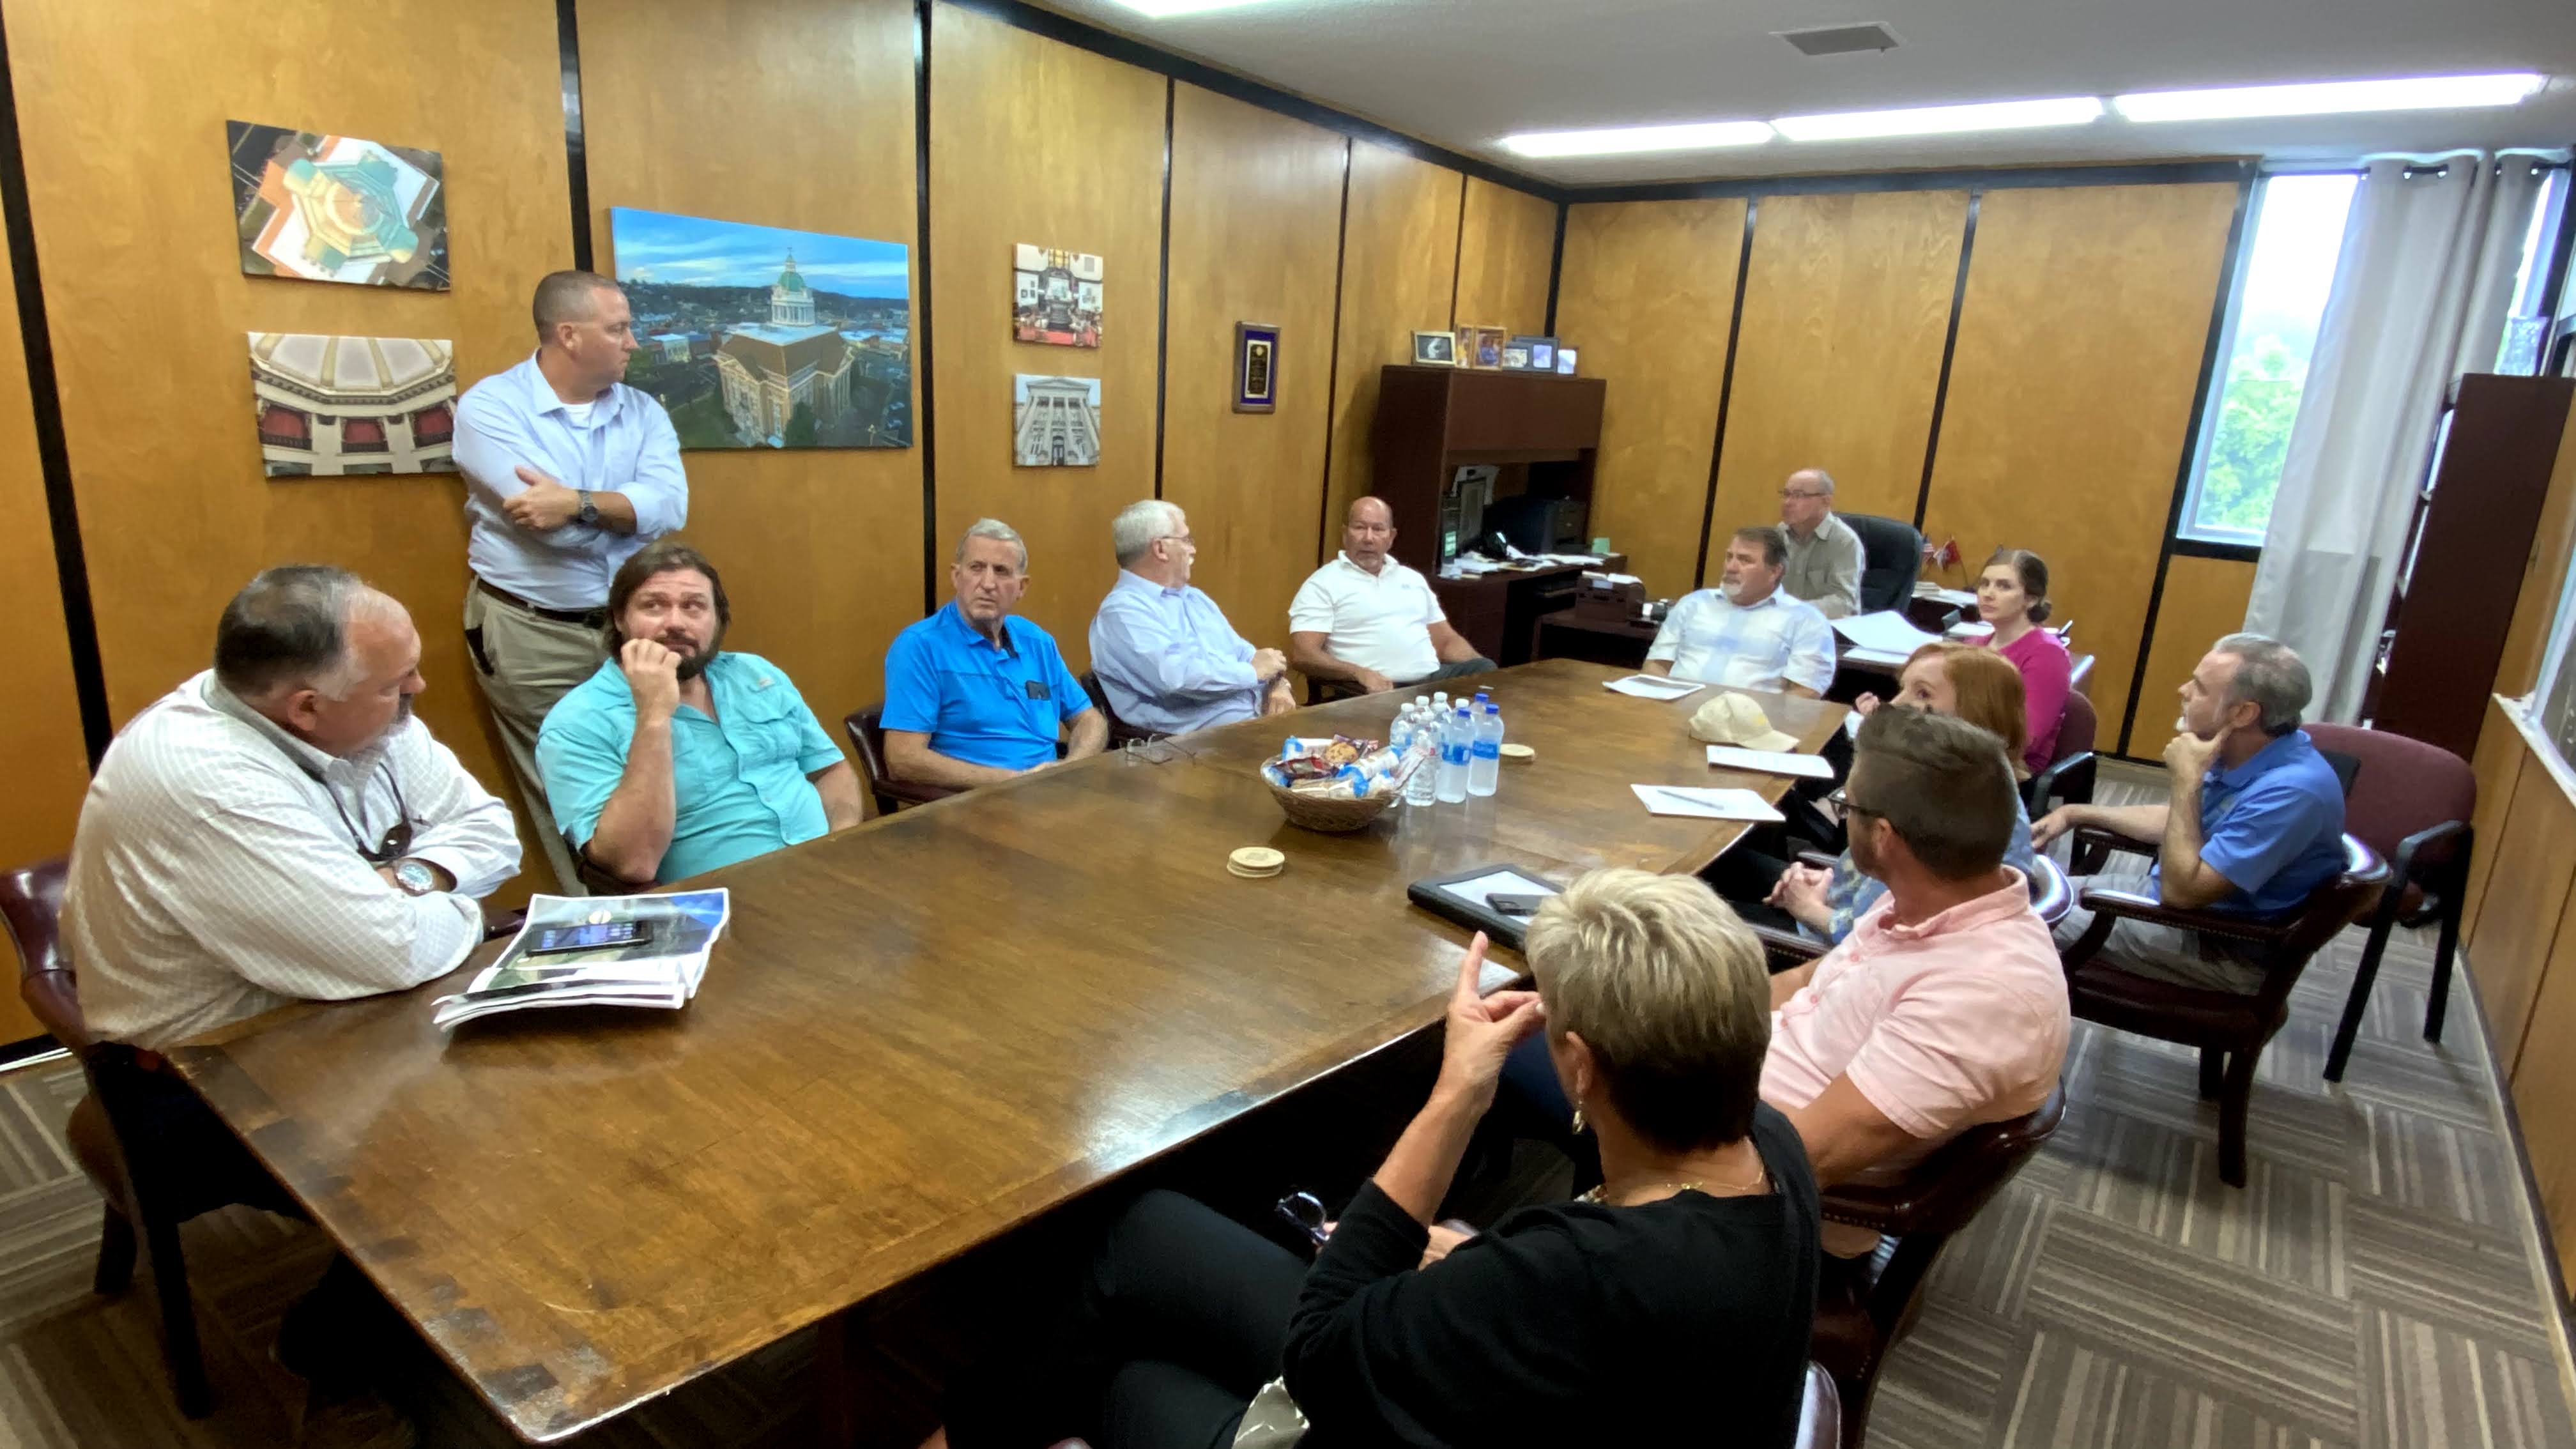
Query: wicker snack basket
(1331, 816)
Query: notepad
(1648, 686)
(1770, 762)
(1706, 802)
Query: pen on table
(1692, 801)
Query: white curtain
(2420, 295)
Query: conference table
(915, 1036)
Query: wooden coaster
(1252, 874)
(1518, 752)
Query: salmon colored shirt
(1957, 1021)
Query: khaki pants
(525, 664)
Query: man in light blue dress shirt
(568, 473)
(1746, 633)
(1163, 652)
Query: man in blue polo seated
(974, 694)
(2254, 825)
(677, 755)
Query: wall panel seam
(1333, 367)
(1725, 395)
(1163, 286)
(576, 148)
(925, 429)
(1949, 351)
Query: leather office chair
(145, 1204)
(1820, 1411)
(1891, 558)
(2050, 895)
(1864, 1306)
(867, 743)
(2411, 802)
(2069, 778)
(1120, 732)
(2230, 1028)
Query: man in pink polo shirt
(1946, 1006)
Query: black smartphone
(1511, 904)
(591, 936)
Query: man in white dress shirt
(1746, 632)
(1369, 623)
(280, 826)
(1163, 652)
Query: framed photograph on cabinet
(1480, 346)
(1565, 362)
(1538, 353)
(1435, 349)
(1256, 367)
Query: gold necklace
(1600, 1194)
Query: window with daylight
(2294, 237)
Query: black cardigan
(1567, 1324)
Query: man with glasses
(976, 695)
(1824, 552)
(1163, 652)
(1946, 1006)
(281, 826)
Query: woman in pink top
(2012, 595)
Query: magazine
(598, 951)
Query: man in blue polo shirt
(973, 694)
(677, 756)
(2253, 827)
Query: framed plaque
(1256, 367)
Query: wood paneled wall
(1256, 208)
(821, 549)
(2080, 345)
(1838, 355)
(40, 731)
(148, 306)
(1506, 245)
(2519, 944)
(2204, 598)
(1644, 295)
(1400, 230)
(1037, 142)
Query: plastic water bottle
(1399, 735)
(1420, 788)
(1485, 763)
(1456, 741)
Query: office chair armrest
(2092, 847)
(2104, 901)
(913, 792)
(2070, 779)
(1818, 859)
(1786, 950)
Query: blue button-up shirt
(513, 418)
(739, 781)
(2273, 826)
(1169, 661)
(979, 703)
(1769, 644)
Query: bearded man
(677, 756)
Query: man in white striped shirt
(280, 826)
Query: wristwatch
(415, 877)
(589, 511)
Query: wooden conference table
(916, 1035)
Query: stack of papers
(598, 951)
(1648, 686)
(1770, 762)
(1885, 632)
(1955, 598)
(1706, 802)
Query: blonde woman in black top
(1676, 1300)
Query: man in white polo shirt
(1369, 623)
(1746, 632)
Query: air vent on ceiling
(1840, 39)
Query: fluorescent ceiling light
(1941, 120)
(2417, 93)
(1622, 140)
(1162, 8)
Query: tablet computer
(1494, 899)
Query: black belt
(587, 618)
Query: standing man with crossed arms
(568, 472)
